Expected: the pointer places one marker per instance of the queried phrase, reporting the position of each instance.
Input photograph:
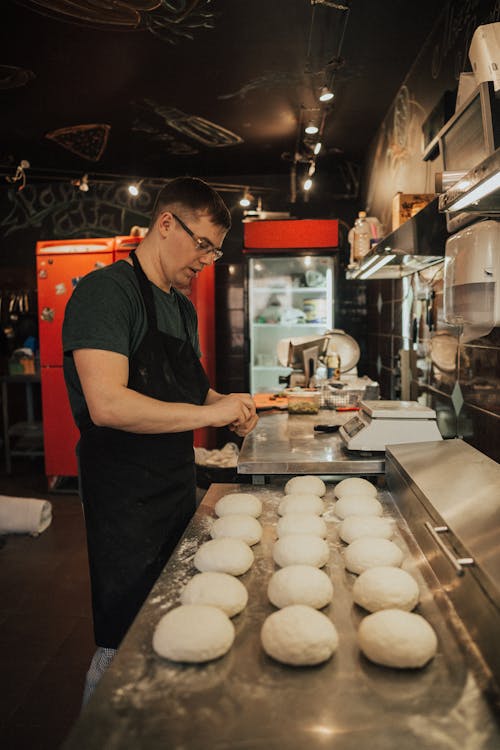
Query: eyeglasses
(204, 245)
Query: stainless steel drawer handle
(457, 562)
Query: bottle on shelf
(333, 365)
(361, 237)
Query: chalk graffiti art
(87, 141)
(170, 20)
(12, 77)
(190, 127)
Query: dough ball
(301, 549)
(355, 486)
(301, 523)
(224, 556)
(395, 638)
(193, 633)
(301, 503)
(357, 505)
(371, 553)
(306, 484)
(299, 635)
(300, 584)
(239, 503)
(385, 587)
(216, 590)
(237, 526)
(359, 527)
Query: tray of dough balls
(300, 613)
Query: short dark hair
(195, 196)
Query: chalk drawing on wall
(87, 141)
(171, 21)
(12, 77)
(62, 211)
(166, 124)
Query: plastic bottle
(333, 365)
(361, 238)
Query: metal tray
(247, 700)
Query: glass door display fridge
(289, 293)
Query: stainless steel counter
(246, 700)
(287, 444)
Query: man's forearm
(134, 412)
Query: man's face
(185, 258)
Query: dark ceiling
(218, 89)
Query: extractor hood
(415, 245)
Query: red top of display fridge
(286, 234)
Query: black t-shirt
(106, 311)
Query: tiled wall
(461, 381)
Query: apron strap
(146, 291)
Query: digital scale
(381, 423)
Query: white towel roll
(24, 515)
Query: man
(137, 391)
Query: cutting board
(269, 401)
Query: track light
(325, 94)
(317, 148)
(308, 184)
(311, 129)
(247, 199)
(134, 188)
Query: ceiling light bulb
(312, 129)
(326, 95)
(133, 190)
(244, 202)
(317, 148)
(308, 184)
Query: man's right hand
(236, 408)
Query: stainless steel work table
(246, 700)
(287, 444)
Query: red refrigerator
(60, 265)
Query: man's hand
(244, 428)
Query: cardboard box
(406, 205)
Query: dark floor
(46, 640)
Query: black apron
(139, 491)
